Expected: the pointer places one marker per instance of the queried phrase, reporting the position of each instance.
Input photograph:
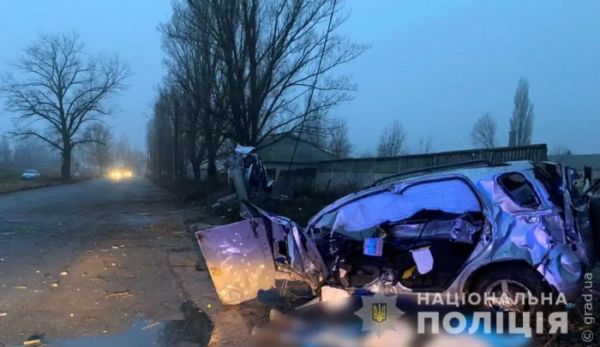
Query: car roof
(477, 174)
(474, 174)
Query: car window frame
(467, 182)
(527, 182)
(402, 186)
(549, 184)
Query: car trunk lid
(243, 257)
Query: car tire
(511, 280)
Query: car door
(243, 257)
(575, 210)
(239, 259)
(579, 215)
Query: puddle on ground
(194, 330)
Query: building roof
(279, 149)
(577, 161)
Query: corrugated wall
(363, 171)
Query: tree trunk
(176, 166)
(211, 169)
(211, 156)
(66, 164)
(196, 169)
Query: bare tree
(426, 145)
(339, 144)
(484, 130)
(269, 55)
(33, 153)
(100, 150)
(391, 141)
(5, 150)
(160, 137)
(123, 151)
(63, 89)
(522, 119)
(194, 71)
(316, 130)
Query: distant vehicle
(118, 174)
(30, 174)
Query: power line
(309, 102)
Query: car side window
(519, 190)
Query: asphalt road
(86, 259)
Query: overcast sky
(435, 65)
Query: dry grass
(14, 185)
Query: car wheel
(501, 285)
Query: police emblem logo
(379, 312)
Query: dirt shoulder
(89, 259)
(11, 185)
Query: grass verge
(16, 185)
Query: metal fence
(341, 174)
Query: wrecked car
(517, 227)
(253, 171)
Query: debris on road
(151, 325)
(3, 314)
(64, 273)
(55, 284)
(228, 199)
(119, 294)
(20, 287)
(34, 341)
